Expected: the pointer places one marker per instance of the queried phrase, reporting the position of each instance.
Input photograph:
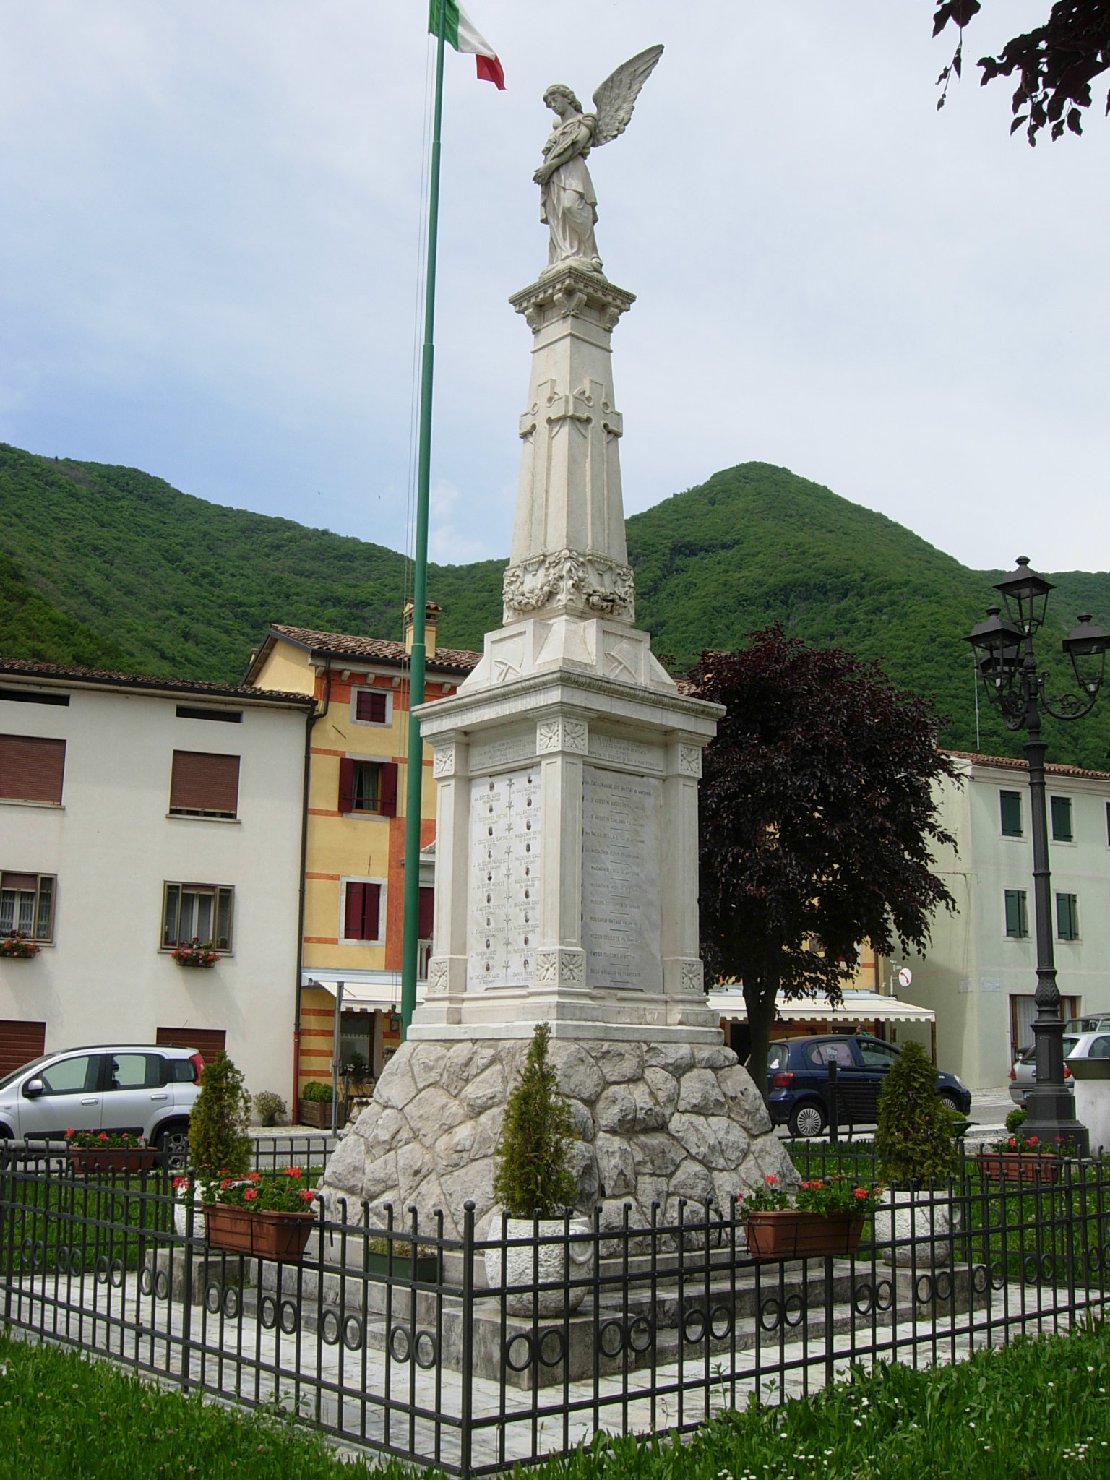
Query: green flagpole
(420, 573)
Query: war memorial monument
(567, 773)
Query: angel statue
(567, 201)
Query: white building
(135, 814)
(979, 973)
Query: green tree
(532, 1178)
(1054, 63)
(218, 1139)
(914, 1144)
(816, 818)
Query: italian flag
(459, 31)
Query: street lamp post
(1008, 668)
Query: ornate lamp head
(1086, 646)
(1026, 596)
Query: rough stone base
(656, 1122)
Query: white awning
(364, 991)
(856, 1007)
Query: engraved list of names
(620, 879)
(505, 878)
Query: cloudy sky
(210, 260)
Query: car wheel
(807, 1120)
(951, 1102)
(173, 1147)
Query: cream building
(136, 814)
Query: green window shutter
(1010, 807)
(1061, 819)
(1017, 926)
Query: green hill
(111, 567)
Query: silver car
(1023, 1071)
(146, 1089)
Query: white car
(1023, 1071)
(146, 1089)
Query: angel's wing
(616, 96)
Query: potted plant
(822, 1216)
(108, 1151)
(915, 1151)
(194, 953)
(16, 945)
(536, 1188)
(1020, 1158)
(218, 1141)
(314, 1105)
(266, 1214)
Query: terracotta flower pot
(86, 1159)
(790, 1233)
(1019, 1166)
(265, 1234)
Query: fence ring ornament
(352, 1333)
(640, 1334)
(117, 1274)
(793, 1310)
(213, 1295)
(863, 1299)
(103, 1269)
(980, 1279)
(146, 1280)
(1106, 1256)
(605, 1338)
(329, 1328)
(290, 1317)
(1094, 1261)
(693, 1326)
(267, 1313)
(720, 1322)
(77, 1261)
(998, 1275)
(425, 1351)
(399, 1344)
(943, 1283)
(162, 1285)
(770, 1314)
(230, 1303)
(551, 1347)
(518, 1352)
(884, 1295)
(924, 1290)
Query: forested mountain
(111, 567)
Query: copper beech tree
(1053, 65)
(817, 815)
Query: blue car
(798, 1081)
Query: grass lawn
(1036, 1410)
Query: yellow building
(353, 896)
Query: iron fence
(440, 1350)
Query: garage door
(208, 1041)
(19, 1042)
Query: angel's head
(558, 91)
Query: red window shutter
(370, 706)
(32, 768)
(346, 784)
(361, 911)
(425, 914)
(387, 793)
(202, 782)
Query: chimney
(431, 620)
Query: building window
(1010, 805)
(1017, 920)
(27, 904)
(204, 785)
(362, 909)
(368, 786)
(1060, 810)
(371, 706)
(1067, 916)
(197, 912)
(32, 768)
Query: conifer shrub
(533, 1178)
(218, 1139)
(914, 1144)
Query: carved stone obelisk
(567, 771)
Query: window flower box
(17, 946)
(263, 1234)
(1019, 1166)
(108, 1151)
(790, 1233)
(194, 953)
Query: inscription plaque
(621, 929)
(505, 879)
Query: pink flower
(306, 1195)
